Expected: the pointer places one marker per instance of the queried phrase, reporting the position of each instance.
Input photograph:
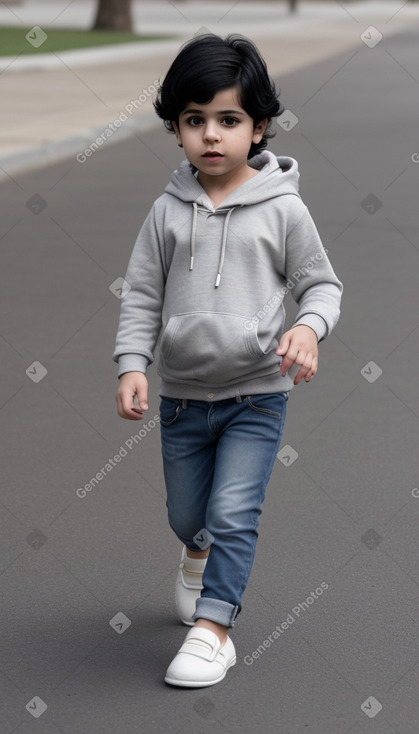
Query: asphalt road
(87, 577)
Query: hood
(278, 175)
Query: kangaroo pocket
(212, 347)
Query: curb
(88, 56)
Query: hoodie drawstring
(195, 214)
(223, 247)
(223, 242)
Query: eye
(230, 121)
(194, 121)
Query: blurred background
(120, 46)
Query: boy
(208, 274)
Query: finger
(301, 374)
(304, 373)
(287, 361)
(313, 370)
(283, 345)
(308, 370)
(289, 358)
(142, 394)
(295, 357)
(289, 355)
(126, 408)
(135, 415)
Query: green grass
(13, 40)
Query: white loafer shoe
(201, 661)
(188, 586)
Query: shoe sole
(199, 684)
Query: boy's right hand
(132, 384)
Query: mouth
(213, 154)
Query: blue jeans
(217, 459)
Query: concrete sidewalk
(49, 113)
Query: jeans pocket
(169, 411)
(273, 404)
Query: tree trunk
(113, 15)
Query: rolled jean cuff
(216, 610)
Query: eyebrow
(219, 112)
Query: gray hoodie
(207, 284)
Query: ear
(259, 130)
(177, 133)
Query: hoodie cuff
(317, 323)
(132, 363)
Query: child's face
(222, 126)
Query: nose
(212, 132)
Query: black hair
(207, 64)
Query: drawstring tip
(191, 264)
(217, 282)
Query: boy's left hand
(299, 345)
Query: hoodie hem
(261, 385)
